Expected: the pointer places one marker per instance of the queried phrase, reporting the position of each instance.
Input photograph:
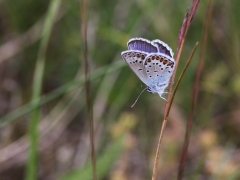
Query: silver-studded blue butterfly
(152, 62)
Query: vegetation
(44, 116)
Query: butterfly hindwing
(159, 68)
(135, 61)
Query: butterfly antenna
(139, 96)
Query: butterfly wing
(135, 61)
(159, 69)
(141, 44)
(163, 48)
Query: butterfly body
(152, 62)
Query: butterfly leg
(166, 92)
(164, 98)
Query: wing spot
(140, 69)
(161, 68)
(138, 55)
(145, 63)
(157, 75)
(161, 60)
(150, 66)
(169, 71)
(143, 57)
(147, 70)
(153, 57)
(150, 76)
(140, 61)
(165, 61)
(157, 58)
(170, 64)
(155, 71)
(160, 65)
(148, 60)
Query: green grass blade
(31, 169)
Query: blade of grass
(165, 121)
(181, 39)
(83, 14)
(195, 89)
(31, 169)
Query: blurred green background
(125, 137)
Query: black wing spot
(147, 70)
(150, 66)
(161, 68)
(140, 69)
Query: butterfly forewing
(135, 61)
(159, 68)
(141, 44)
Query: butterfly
(152, 62)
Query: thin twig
(195, 89)
(181, 75)
(83, 11)
(165, 121)
(181, 39)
